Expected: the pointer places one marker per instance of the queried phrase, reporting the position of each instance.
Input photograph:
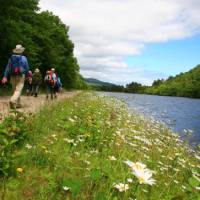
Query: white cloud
(106, 31)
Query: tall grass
(79, 149)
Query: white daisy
(121, 187)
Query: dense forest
(184, 85)
(44, 36)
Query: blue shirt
(23, 64)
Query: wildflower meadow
(93, 148)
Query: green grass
(69, 145)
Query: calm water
(179, 114)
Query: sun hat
(52, 69)
(37, 70)
(18, 49)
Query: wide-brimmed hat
(37, 70)
(18, 49)
(52, 69)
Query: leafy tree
(44, 36)
(157, 82)
(135, 87)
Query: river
(182, 115)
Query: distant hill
(92, 81)
(98, 85)
(185, 85)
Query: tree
(158, 82)
(135, 87)
(43, 34)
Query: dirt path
(31, 104)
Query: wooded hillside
(44, 36)
(185, 85)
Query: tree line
(132, 87)
(184, 85)
(44, 36)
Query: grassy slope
(71, 143)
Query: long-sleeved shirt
(37, 78)
(23, 65)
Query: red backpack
(29, 77)
(49, 78)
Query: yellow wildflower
(46, 151)
(20, 170)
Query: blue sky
(121, 41)
(169, 58)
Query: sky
(121, 41)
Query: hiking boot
(12, 105)
(35, 95)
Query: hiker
(58, 84)
(50, 80)
(17, 69)
(54, 75)
(37, 80)
(29, 82)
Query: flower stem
(136, 187)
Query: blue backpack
(59, 82)
(16, 65)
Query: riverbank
(179, 114)
(87, 148)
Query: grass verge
(91, 147)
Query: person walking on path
(50, 80)
(54, 77)
(57, 84)
(37, 80)
(29, 82)
(17, 69)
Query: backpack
(16, 65)
(49, 79)
(59, 84)
(29, 74)
(29, 77)
(37, 78)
